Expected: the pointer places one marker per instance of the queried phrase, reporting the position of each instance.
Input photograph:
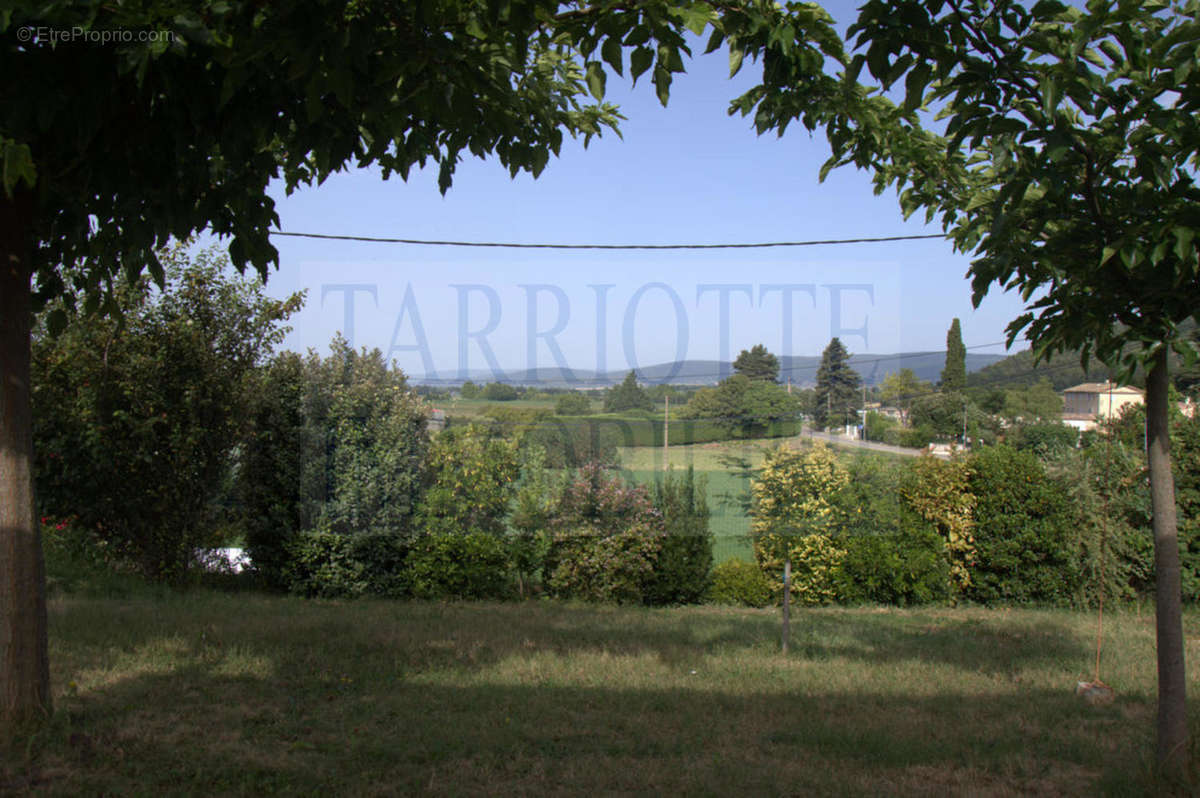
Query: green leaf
(596, 79)
(1051, 94)
(639, 61)
(610, 51)
(638, 36)
(736, 54)
(17, 165)
(1183, 242)
(914, 86)
(697, 18)
(714, 41)
(662, 84)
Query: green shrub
(470, 479)
(740, 583)
(1026, 540)
(902, 567)
(382, 555)
(817, 565)
(681, 570)
(574, 443)
(572, 404)
(606, 538)
(456, 566)
(1044, 440)
(76, 565)
(325, 564)
(320, 566)
(893, 556)
(500, 392)
(877, 426)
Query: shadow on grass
(417, 636)
(249, 695)
(197, 732)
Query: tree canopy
(739, 401)
(902, 388)
(109, 150)
(627, 396)
(837, 398)
(757, 364)
(1066, 167)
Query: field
(207, 693)
(723, 465)
(727, 486)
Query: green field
(213, 694)
(729, 523)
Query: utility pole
(666, 436)
(863, 412)
(964, 438)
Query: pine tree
(627, 396)
(757, 364)
(837, 397)
(954, 375)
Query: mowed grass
(729, 523)
(247, 695)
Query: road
(853, 443)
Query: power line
(514, 245)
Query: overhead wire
(520, 245)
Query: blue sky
(688, 173)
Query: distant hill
(1063, 370)
(801, 368)
(1017, 370)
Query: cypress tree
(954, 375)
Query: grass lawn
(729, 523)
(207, 693)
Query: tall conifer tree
(954, 375)
(837, 397)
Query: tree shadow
(259, 695)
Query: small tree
(499, 392)
(1039, 402)
(471, 478)
(606, 539)
(627, 396)
(793, 519)
(682, 568)
(742, 404)
(1025, 534)
(940, 492)
(900, 389)
(573, 404)
(337, 447)
(757, 364)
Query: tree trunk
(786, 632)
(1172, 678)
(24, 661)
